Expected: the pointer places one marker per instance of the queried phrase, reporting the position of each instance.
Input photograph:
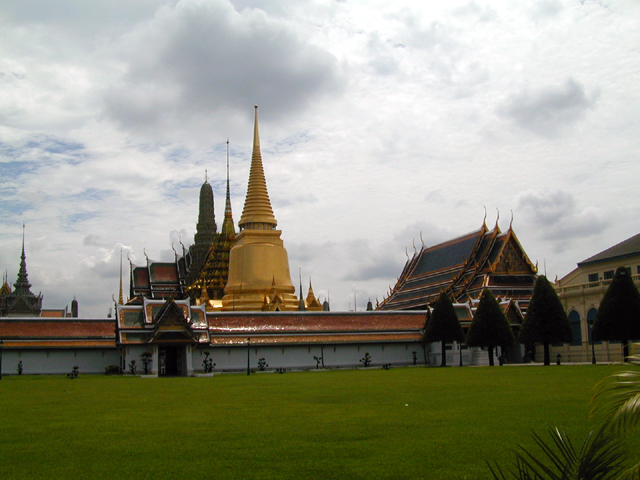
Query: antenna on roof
(544, 260)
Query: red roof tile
(316, 339)
(63, 328)
(315, 322)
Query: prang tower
(259, 277)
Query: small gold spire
(120, 296)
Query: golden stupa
(259, 277)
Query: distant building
(20, 302)
(201, 273)
(581, 292)
(464, 267)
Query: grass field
(351, 424)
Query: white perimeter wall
(58, 361)
(61, 361)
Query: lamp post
(593, 347)
(248, 356)
(1, 343)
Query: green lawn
(404, 423)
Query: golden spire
(257, 213)
(227, 225)
(120, 296)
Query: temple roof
(464, 266)
(629, 247)
(248, 323)
(22, 332)
(228, 328)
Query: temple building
(464, 267)
(200, 274)
(210, 278)
(20, 302)
(259, 277)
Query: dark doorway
(170, 359)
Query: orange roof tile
(316, 339)
(315, 322)
(56, 328)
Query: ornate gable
(513, 259)
(171, 325)
(273, 303)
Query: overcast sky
(381, 122)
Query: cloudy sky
(381, 122)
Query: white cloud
(559, 219)
(548, 110)
(378, 120)
(206, 59)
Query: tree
(489, 327)
(443, 326)
(618, 316)
(546, 321)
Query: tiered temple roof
(157, 280)
(463, 267)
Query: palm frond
(631, 474)
(618, 397)
(599, 458)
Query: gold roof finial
(257, 212)
(120, 295)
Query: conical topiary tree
(618, 316)
(489, 327)
(546, 321)
(443, 325)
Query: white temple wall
(58, 361)
(301, 356)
